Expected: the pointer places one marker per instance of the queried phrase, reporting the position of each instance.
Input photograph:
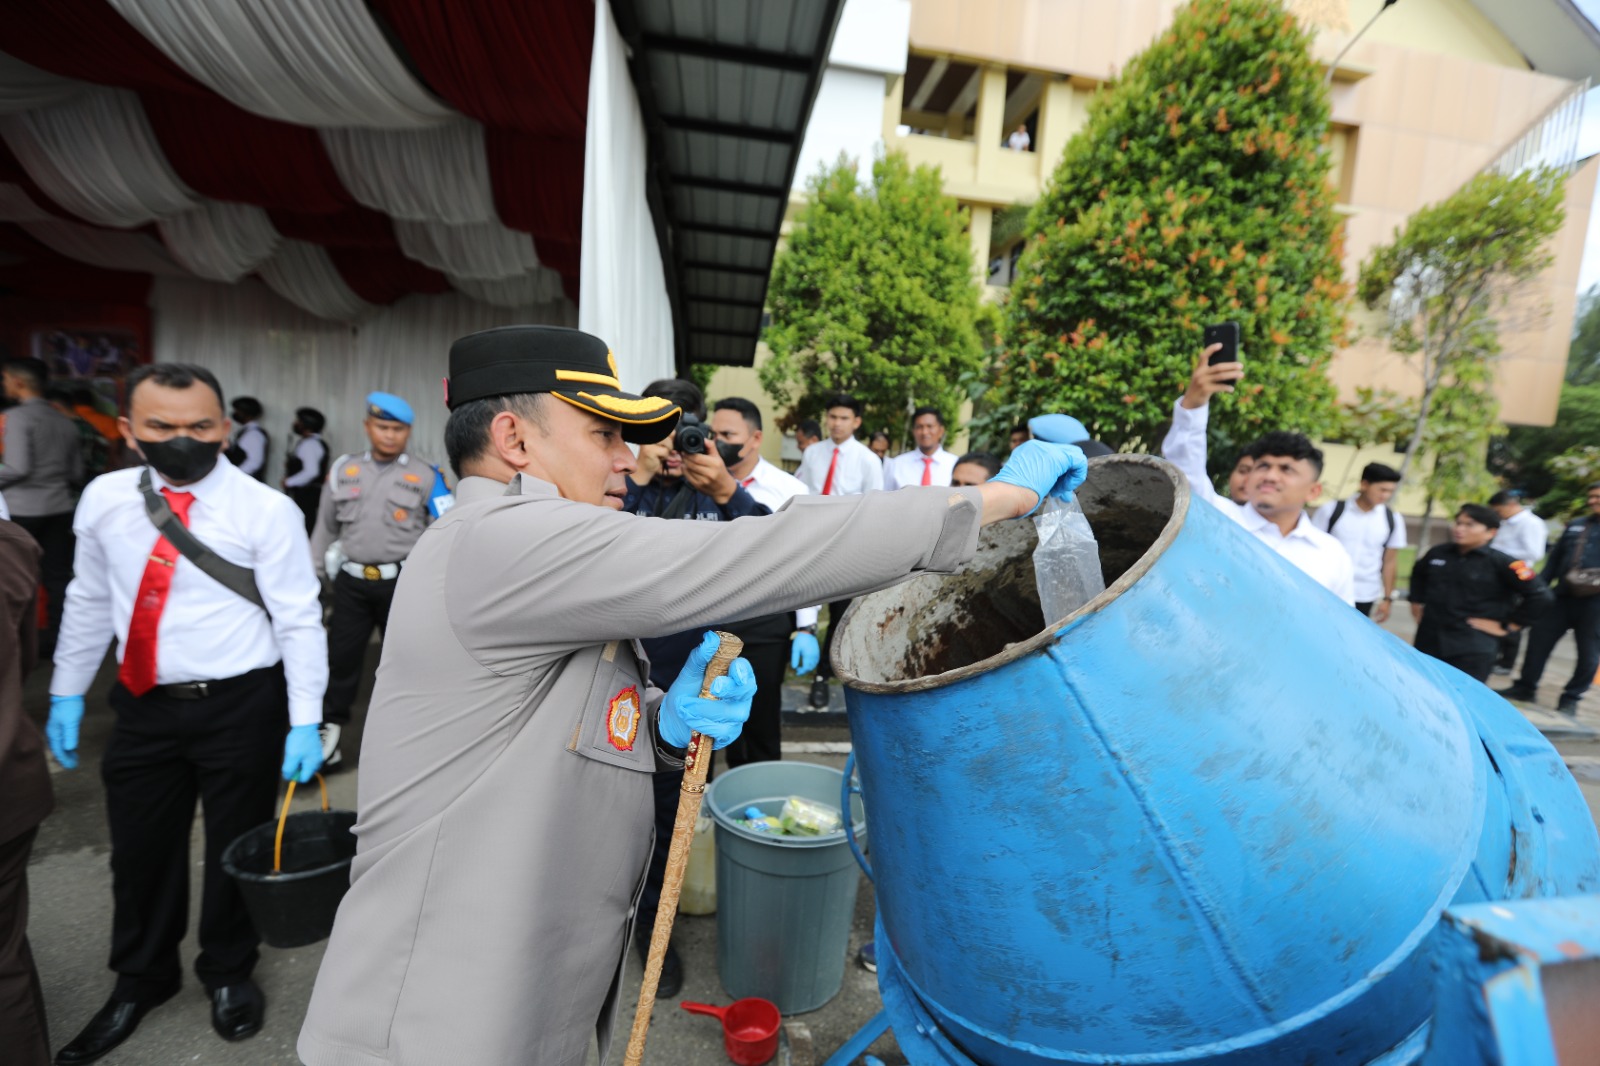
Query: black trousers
(1510, 647)
(1474, 665)
(55, 537)
(1365, 607)
(1582, 616)
(23, 1032)
(761, 740)
(836, 612)
(358, 605)
(308, 497)
(226, 750)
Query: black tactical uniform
(1454, 586)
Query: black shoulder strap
(237, 579)
(1388, 513)
(1333, 519)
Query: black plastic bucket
(295, 906)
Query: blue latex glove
(1057, 429)
(61, 729)
(1048, 469)
(302, 754)
(804, 653)
(720, 718)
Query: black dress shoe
(237, 1010)
(819, 694)
(670, 983)
(115, 1022)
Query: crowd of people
(241, 617)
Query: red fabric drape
(381, 277)
(88, 40)
(47, 275)
(227, 153)
(538, 188)
(353, 227)
(510, 63)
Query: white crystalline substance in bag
(1066, 564)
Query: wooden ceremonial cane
(696, 762)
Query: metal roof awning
(726, 88)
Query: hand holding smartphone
(1225, 334)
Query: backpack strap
(240, 580)
(1333, 519)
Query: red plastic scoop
(749, 1028)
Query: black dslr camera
(690, 436)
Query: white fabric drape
(623, 283)
(538, 287)
(310, 62)
(103, 247)
(97, 157)
(480, 250)
(220, 241)
(23, 87)
(260, 346)
(17, 206)
(436, 174)
(303, 274)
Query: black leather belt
(189, 690)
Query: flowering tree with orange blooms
(1196, 192)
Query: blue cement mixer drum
(1213, 816)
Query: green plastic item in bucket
(784, 903)
(293, 872)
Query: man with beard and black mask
(214, 672)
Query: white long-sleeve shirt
(774, 488)
(206, 632)
(1318, 554)
(253, 443)
(906, 468)
(310, 451)
(1522, 536)
(858, 470)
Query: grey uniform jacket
(43, 460)
(505, 796)
(376, 510)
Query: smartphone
(1225, 334)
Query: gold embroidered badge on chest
(622, 719)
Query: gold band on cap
(591, 403)
(645, 405)
(588, 379)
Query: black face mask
(730, 453)
(181, 458)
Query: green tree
(1444, 282)
(1526, 457)
(874, 295)
(1196, 192)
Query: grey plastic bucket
(784, 904)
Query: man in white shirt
(1373, 535)
(1019, 141)
(926, 464)
(778, 641)
(207, 685)
(838, 466)
(1285, 479)
(250, 441)
(307, 466)
(1522, 535)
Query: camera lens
(690, 437)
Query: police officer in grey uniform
(375, 505)
(505, 795)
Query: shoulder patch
(622, 718)
(1523, 571)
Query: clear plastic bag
(1066, 564)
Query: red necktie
(138, 672)
(927, 470)
(833, 465)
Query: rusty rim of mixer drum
(1158, 547)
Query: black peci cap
(567, 363)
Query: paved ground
(71, 918)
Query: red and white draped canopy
(345, 152)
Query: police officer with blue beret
(374, 506)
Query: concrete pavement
(71, 919)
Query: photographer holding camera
(685, 476)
